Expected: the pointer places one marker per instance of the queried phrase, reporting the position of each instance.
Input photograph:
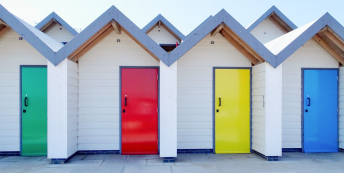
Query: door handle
(26, 101)
(308, 101)
(219, 101)
(125, 101)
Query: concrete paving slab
(21, 158)
(155, 162)
(98, 169)
(243, 167)
(140, 157)
(169, 164)
(213, 161)
(4, 164)
(147, 169)
(249, 160)
(78, 157)
(78, 163)
(182, 162)
(196, 168)
(105, 157)
(115, 163)
(200, 155)
(54, 170)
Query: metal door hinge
(157, 77)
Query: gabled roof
(116, 18)
(40, 41)
(327, 31)
(199, 26)
(277, 16)
(54, 18)
(236, 29)
(169, 26)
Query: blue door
(320, 116)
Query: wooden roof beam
(4, 31)
(328, 48)
(159, 24)
(335, 39)
(243, 44)
(116, 27)
(92, 44)
(2, 22)
(89, 40)
(240, 48)
(217, 29)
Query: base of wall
(184, 151)
(83, 152)
(341, 149)
(291, 149)
(268, 158)
(9, 153)
(168, 159)
(94, 152)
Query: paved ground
(290, 162)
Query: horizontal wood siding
(13, 53)
(59, 33)
(162, 36)
(72, 107)
(258, 107)
(310, 55)
(99, 90)
(267, 31)
(195, 89)
(341, 107)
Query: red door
(139, 111)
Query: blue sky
(183, 14)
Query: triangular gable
(162, 20)
(327, 31)
(40, 41)
(117, 19)
(234, 28)
(193, 31)
(278, 17)
(51, 19)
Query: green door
(34, 111)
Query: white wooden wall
(341, 107)
(195, 89)
(59, 35)
(310, 55)
(99, 89)
(258, 110)
(162, 37)
(13, 53)
(72, 107)
(267, 31)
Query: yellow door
(232, 110)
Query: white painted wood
(72, 107)
(99, 83)
(310, 55)
(59, 33)
(162, 36)
(273, 111)
(267, 109)
(168, 110)
(57, 110)
(195, 89)
(258, 111)
(13, 53)
(267, 31)
(341, 108)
